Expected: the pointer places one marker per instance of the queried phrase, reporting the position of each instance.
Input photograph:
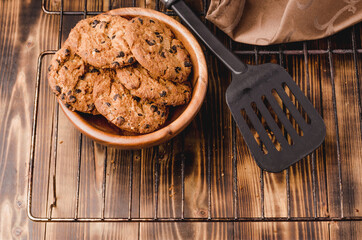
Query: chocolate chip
(58, 89)
(104, 24)
(94, 23)
(173, 49)
(82, 77)
(141, 20)
(187, 64)
(120, 54)
(69, 92)
(65, 67)
(72, 99)
(186, 91)
(58, 61)
(116, 64)
(113, 36)
(151, 43)
(177, 69)
(163, 114)
(158, 112)
(137, 99)
(96, 50)
(151, 21)
(157, 33)
(50, 68)
(120, 120)
(67, 105)
(90, 106)
(154, 108)
(147, 126)
(115, 97)
(161, 38)
(67, 52)
(163, 54)
(140, 114)
(103, 42)
(62, 96)
(163, 94)
(78, 90)
(94, 70)
(130, 60)
(108, 104)
(132, 21)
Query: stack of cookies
(129, 70)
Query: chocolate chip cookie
(127, 112)
(155, 47)
(100, 42)
(139, 82)
(72, 81)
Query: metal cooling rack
(256, 52)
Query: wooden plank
(169, 187)
(316, 71)
(186, 231)
(349, 126)
(219, 134)
(117, 182)
(282, 230)
(345, 230)
(303, 175)
(47, 104)
(91, 179)
(275, 184)
(92, 231)
(149, 161)
(22, 36)
(330, 147)
(249, 193)
(195, 166)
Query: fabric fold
(266, 22)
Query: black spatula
(274, 126)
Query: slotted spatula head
(278, 122)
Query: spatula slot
(296, 103)
(287, 113)
(276, 119)
(253, 131)
(266, 127)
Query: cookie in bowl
(71, 80)
(100, 42)
(127, 112)
(140, 84)
(157, 49)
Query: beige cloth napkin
(264, 22)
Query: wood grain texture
(349, 120)
(206, 145)
(282, 230)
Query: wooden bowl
(100, 130)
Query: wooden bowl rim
(173, 128)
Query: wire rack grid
(252, 51)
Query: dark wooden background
(313, 189)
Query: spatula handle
(191, 20)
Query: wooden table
(192, 175)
